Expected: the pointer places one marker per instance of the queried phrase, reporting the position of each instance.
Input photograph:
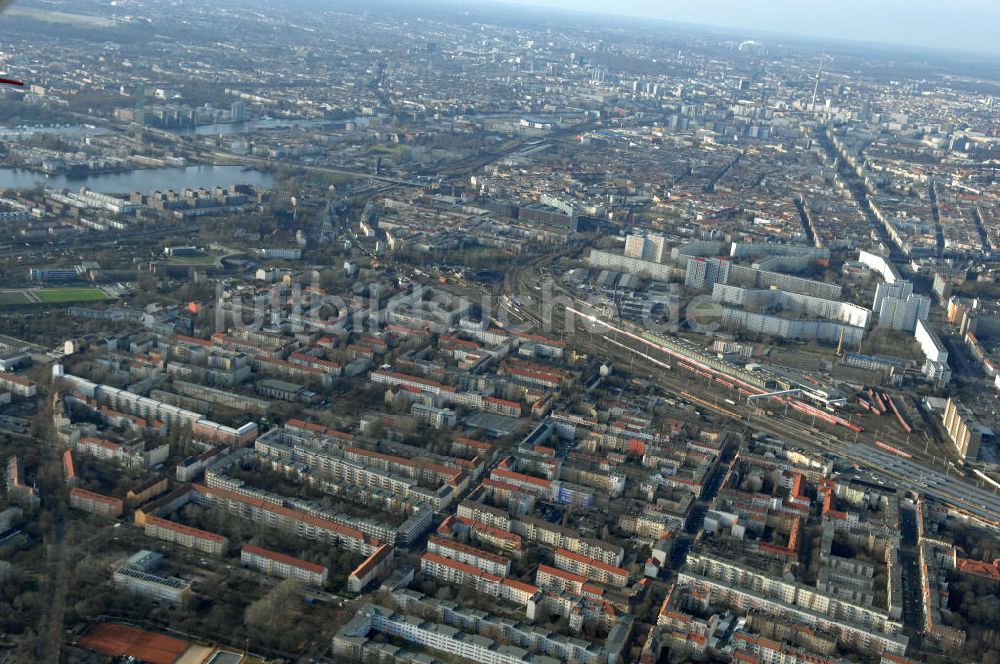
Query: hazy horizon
(964, 25)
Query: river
(24, 132)
(229, 128)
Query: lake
(144, 180)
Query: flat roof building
(167, 589)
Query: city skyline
(891, 22)
(382, 330)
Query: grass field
(64, 295)
(10, 298)
(192, 260)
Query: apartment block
(423, 384)
(596, 570)
(453, 571)
(153, 410)
(964, 432)
(436, 418)
(930, 343)
(146, 490)
(95, 503)
(186, 536)
(470, 555)
(193, 466)
(491, 516)
(130, 455)
(371, 569)
(705, 273)
(897, 306)
(18, 385)
(790, 328)
(760, 298)
(329, 459)
(288, 519)
(351, 641)
(285, 566)
(483, 533)
(551, 534)
(720, 581)
(645, 247)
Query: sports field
(122, 640)
(202, 259)
(65, 295)
(12, 298)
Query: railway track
(824, 434)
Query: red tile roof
(181, 528)
(91, 495)
(377, 557)
(283, 558)
(592, 562)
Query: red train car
(899, 415)
(894, 450)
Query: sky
(970, 25)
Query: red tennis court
(119, 640)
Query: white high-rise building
(238, 111)
(898, 307)
(930, 343)
(634, 246)
(645, 247)
(706, 272)
(899, 289)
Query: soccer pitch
(13, 298)
(64, 295)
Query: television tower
(812, 104)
